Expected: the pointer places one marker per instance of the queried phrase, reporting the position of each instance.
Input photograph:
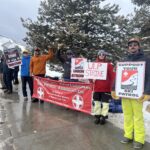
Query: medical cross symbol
(77, 101)
(40, 92)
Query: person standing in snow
(132, 108)
(102, 90)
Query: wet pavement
(35, 126)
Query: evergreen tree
(141, 2)
(141, 22)
(81, 25)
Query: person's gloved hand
(60, 46)
(144, 98)
(113, 95)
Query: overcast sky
(12, 10)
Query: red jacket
(105, 85)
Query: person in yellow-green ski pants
(133, 120)
(134, 129)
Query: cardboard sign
(77, 68)
(12, 57)
(130, 79)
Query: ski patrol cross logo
(77, 101)
(40, 92)
(79, 63)
(129, 79)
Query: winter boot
(102, 120)
(34, 100)
(126, 140)
(97, 119)
(137, 145)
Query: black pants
(15, 74)
(8, 77)
(25, 80)
(102, 97)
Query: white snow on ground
(52, 73)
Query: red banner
(74, 95)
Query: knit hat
(102, 52)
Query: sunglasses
(101, 54)
(133, 45)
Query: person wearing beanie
(102, 89)
(132, 108)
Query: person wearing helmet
(38, 64)
(132, 108)
(102, 89)
(25, 74)
(66, 62)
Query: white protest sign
(130, 79)
(95, 70)
(81, 69)
(77, 68)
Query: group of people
(104, 90)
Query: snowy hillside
(8, 42)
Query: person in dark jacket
(25, 74)
(7, 77)
(132, 108)
(102, 89)
(66, 63)
(1, 74)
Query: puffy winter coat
(105, 85)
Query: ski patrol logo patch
(129, 79)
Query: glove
(113, 95)
(60, 46)
(144, 98)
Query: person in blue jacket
(25, 74)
